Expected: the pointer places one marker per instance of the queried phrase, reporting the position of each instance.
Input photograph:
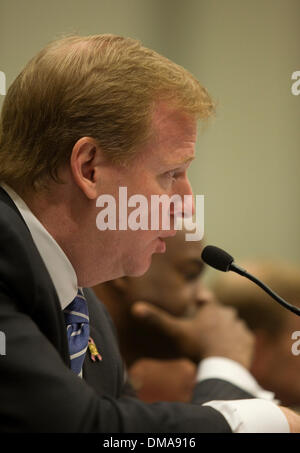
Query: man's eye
(172, 175)
(191, 276)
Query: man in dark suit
(85, 117)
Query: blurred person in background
(173, 287)
(274, 364)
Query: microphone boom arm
(233, 267)
(222, 261)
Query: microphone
(222, 261)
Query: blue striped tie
(78, 330)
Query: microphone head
(217, 258)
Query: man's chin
(138, 269)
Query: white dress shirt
(258, 415)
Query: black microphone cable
(222, 261)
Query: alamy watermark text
(2, 343)
(2, 83)
(161, 212)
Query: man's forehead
(173, 137)
(169, 122)
(171, 141)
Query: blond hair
(101, 86)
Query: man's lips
(161, 246)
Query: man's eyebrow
(194, 262)
(184, 161)
(188, 159)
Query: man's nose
(187, 199)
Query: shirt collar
(59, 267)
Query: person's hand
(215, 330)
(293, 419)
(163, 380)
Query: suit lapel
(48, 314)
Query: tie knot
(77, 310)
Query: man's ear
(85, 164)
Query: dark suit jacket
(38, 391)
